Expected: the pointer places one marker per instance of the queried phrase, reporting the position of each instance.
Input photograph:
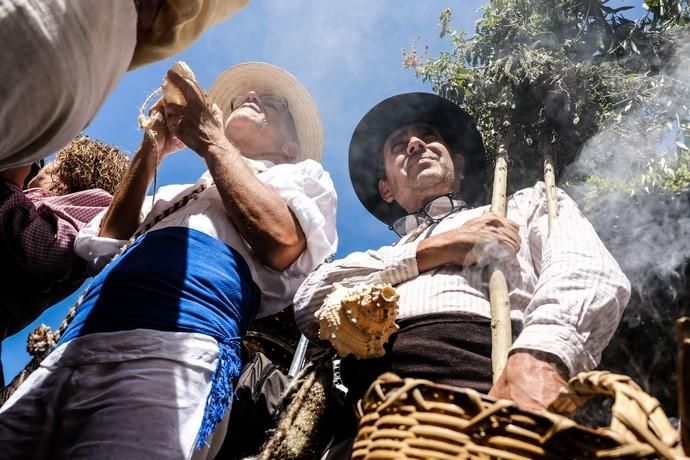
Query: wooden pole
(501, 334)
(683, 376)
(550, 185)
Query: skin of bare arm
(466, 244)
(259, 214)
(122, 217)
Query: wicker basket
(418, 419)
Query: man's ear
(459, 164)
(291, 149)
(385, 191)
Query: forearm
(261, 215)
(393, 265)
(122, 217)
(480, 238)
(439, 250)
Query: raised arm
(261, 215)
(122, 217)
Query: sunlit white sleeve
(98, 251)
(390, 264)
(581, 291)
(310, 195)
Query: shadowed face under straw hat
(366, 147)
(264, 78)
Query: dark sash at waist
(448, 348)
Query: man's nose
(415, 145)
(252, 97)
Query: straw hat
(366, 147)
(266, 78)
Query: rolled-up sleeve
(390, 264)
(97, 250)
(310, 195)
(581, 291)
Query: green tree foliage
(560, 71)
(667, 13)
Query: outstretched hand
(199, 125)
(531, 379)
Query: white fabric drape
(59, 61)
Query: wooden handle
(550, 185)
(683, 376)
(501, 334)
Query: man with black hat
(417, 163)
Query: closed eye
(398, 147)
(430, 137)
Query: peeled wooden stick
(501, 334)
(683, 376)
(550, 185)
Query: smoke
(633, 160)
(637, 199)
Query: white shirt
(308, 191)
(60, 60)
(567, 288)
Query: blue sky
(348, 56)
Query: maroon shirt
(39, 266)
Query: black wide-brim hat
(366, 147)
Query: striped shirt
(566, 288)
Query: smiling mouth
(252, 106)
(420, 165)
(423, 159)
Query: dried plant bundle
(171, 93)
(359, 321)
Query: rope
(146, 123)
(40, 350)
